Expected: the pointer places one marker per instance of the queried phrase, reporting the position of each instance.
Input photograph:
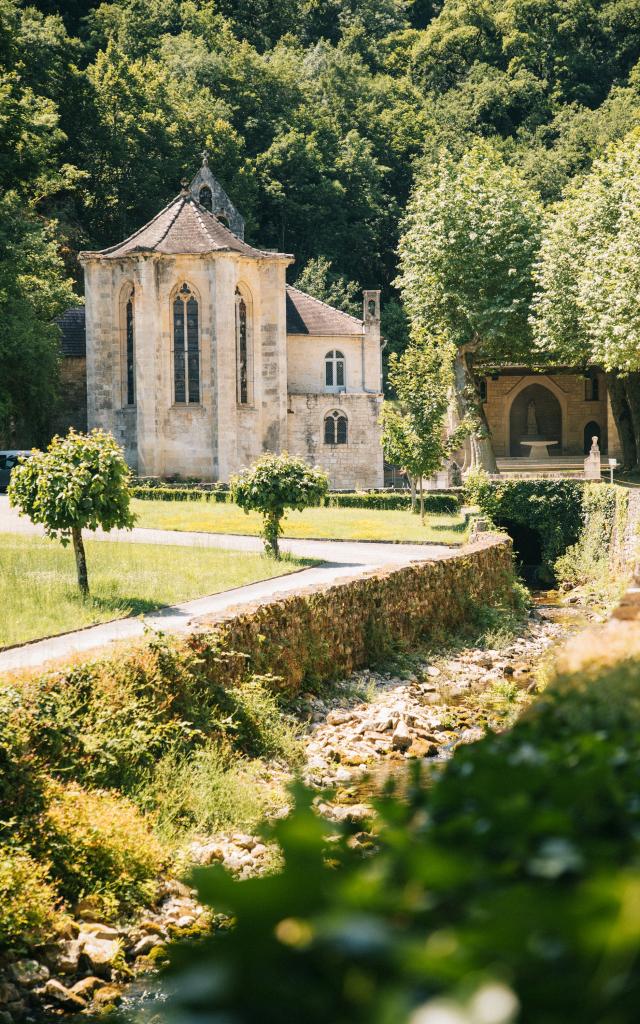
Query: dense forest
(319, 117)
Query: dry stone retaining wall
(322, 633)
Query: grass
(316, 523)
(39, 595)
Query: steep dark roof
(306, 315)
(73, 342)
(183, 227)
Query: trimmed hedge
(505, 891)
(439, 504)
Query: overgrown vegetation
(99, 761)
(579, 527)
(504, 892)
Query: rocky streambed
(355, 738)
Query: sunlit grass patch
(313, 523)
(39, 594)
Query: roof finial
(185, 186)
(205, 157)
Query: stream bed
(357, 736)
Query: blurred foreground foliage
(508, 891)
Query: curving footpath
(340, 559)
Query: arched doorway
(592, 430)
(536, 415)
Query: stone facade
(134, 354)
(569, 408)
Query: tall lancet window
(130, 356)
(243, 351)
(186, 347)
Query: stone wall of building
(356, 464)
(215, 437)
(577, 411)
(306, 362)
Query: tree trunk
(479, 453)
(81, 560)
(412, 484)
(271, 532)
(632, 394)
(421, 498)
(622, 416)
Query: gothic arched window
(206, 198)
(186, 346)
(244, 353)
(129, 350)
(334, 375)
(335, 428)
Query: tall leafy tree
(33, 291)
(588, 279)
(414, 434)
(466, 272)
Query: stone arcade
(199, 356)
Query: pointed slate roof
(306, 315)
(184, 227)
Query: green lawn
(324, 523)
(39, 595)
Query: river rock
(146, 944)
(99, 952)
(63, 957)
(29, 973)
(401, 739)
(110, 995)
(64, 996)
(470, 736)
(101, 930)
(339, 717)
(8, 993)
(87, 986)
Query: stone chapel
(199, 356)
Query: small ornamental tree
(80, 482)
(274, 484)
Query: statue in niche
(532, 420)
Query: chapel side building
(199, 356)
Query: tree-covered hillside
(317, 115)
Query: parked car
(7, 462)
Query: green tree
(33, 291)
(80, 482)
(587, 276)
(414, 434)
(466, 272)
(274, 484)
(318, 279)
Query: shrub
(100, 846)
(29, 912)
(274, 484)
